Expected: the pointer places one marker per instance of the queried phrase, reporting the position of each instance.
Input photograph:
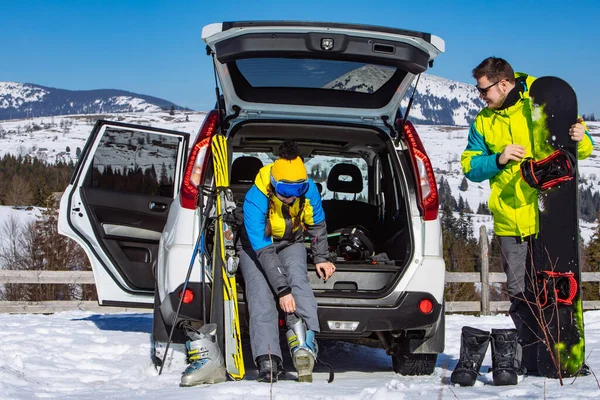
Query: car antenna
(410, 101)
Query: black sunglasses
(484, 91)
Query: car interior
(360, 188)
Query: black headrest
(244, 169)
(354, 185)
(319, 187)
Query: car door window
(133, 161)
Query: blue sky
(154, 47)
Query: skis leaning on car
(224, 301)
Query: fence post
(485, 269)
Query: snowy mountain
(26, 100)
(441, 101)
(437, 101)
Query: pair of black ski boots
(507, 354)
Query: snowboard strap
(562, 286)
(556, 168)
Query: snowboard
(561, 348)
(224, 301)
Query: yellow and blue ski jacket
(512, 201)
(281, 217)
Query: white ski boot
(303, 347)
(205, 358)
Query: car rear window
(307, 73)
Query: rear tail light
(426, 185)
(197, 162)
(425, 306)
(188, 296)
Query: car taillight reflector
(426, 185)
(425, 306)
(188, 296)
(197, 162)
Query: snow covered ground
(80, 355)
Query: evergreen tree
(448, 221)
(464, 185)
(164, 176)
(461, 204)
(467, 208)
(483, 209)
(592, 251)
(445, 194)
(469, 228)
(172, 112)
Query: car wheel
(414, 364)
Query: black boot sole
(463, 378)
(505, 378)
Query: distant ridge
(27, 100)
(438, 101)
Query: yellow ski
(225, 262)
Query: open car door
(117, 202)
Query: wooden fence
(484, 307)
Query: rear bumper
(404, 315)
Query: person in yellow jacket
(501, 136)
(282, 204)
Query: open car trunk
(354, 167)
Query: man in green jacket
(499, 138)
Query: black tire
(414, 364)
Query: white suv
(135, 204)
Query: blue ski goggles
(290, 189)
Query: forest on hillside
(26, 181)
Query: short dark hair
(289, 150)
(495, 69)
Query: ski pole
(202, 271)
(185, 285)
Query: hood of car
(271, 69)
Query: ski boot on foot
(507, 354)
(303, 347)
(205, 358)
(270, 368)
(473, 346)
